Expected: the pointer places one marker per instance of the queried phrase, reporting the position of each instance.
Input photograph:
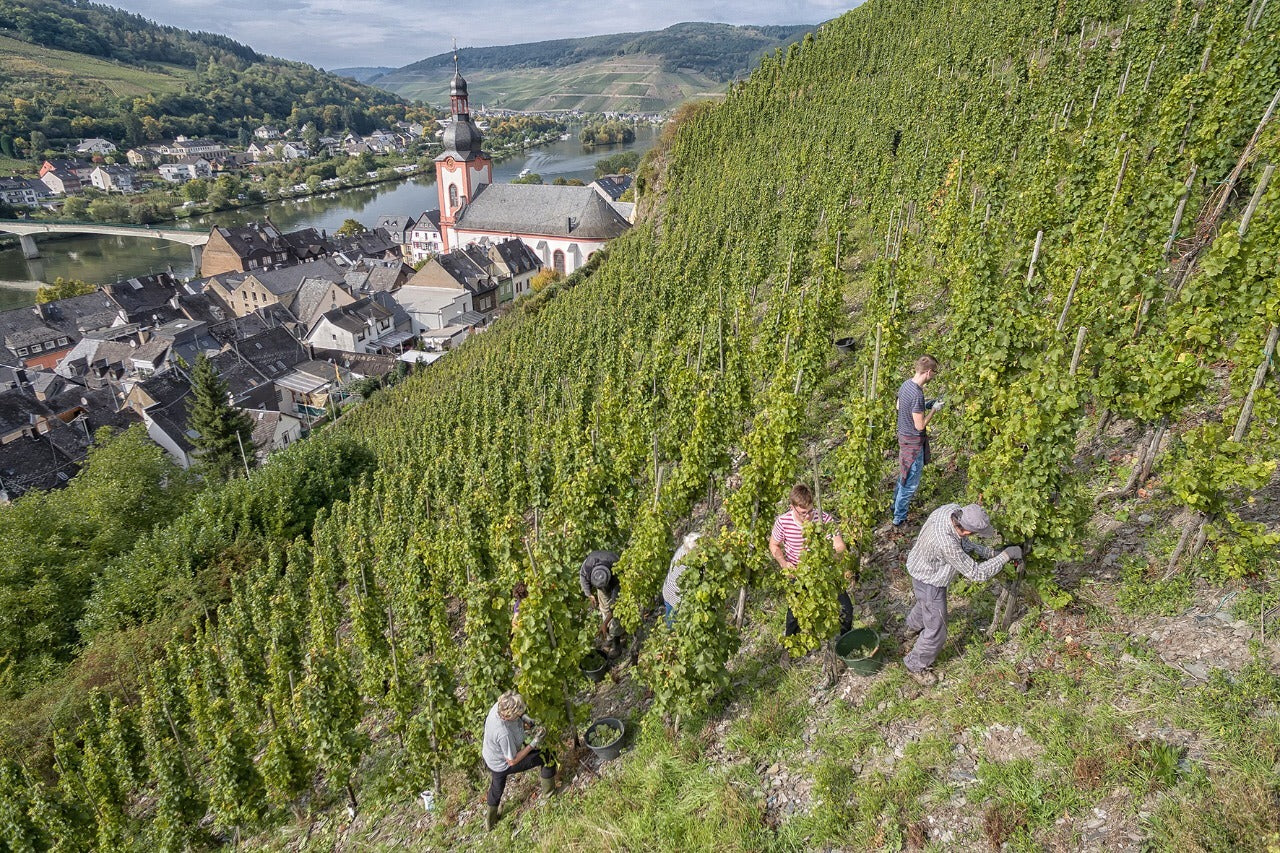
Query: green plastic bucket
(858, 650)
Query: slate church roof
(571, 212)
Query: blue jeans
(906, 489)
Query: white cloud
(343, 33)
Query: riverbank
(103, 259)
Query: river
(102, 260)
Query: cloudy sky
(345, 33)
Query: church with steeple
(562, 225)
(463, 168)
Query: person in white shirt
(505, 752)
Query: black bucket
(846, 345)
(594, 666)
(610, 750)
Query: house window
(62, 342)
(35, 348)
(453, 196)
(557, 261)
(22, 351)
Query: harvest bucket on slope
(858, 650)
(608, 749)
(594, 665)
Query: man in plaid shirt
(944, 550)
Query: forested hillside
(74, 70)
(1070, 203)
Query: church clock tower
(463, 168)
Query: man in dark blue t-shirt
(914, 414)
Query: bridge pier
(197, 258)
(29, 248)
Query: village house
(399, 229)
(186, 169)
(441, 317)
(95, 146)
(62, 182)
(424, 237)
(260, 152)
(273, 431)
(182, 148)
(22, 192)
(513, 265)
(271, 354)
(23, 414)
(313, 297)
(266, 131)
(81, 169)
(312, 389)
(62, 416)
(143, 156)
(357, 327)
(374, 245)
(369, 276)
(147, 299)
(257, 245)
(41, 335)
(294, 151)
(112, 179)
(161, 402)
(468, 268)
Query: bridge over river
(27, 231)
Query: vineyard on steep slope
(1070, 202)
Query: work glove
(936, 404)
(1013, 552)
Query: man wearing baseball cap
(942, 551)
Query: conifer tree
(223, 433)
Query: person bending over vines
(600, 585)
(787, 544)
(943, 550)
(505, 752)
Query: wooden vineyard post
(1066, 305)
(1075, 356)
(741, 611)
(830, 669)
(1180, 210)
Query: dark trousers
(846, 617)
(498, 778)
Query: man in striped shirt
(944, 550)
(786, 543)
